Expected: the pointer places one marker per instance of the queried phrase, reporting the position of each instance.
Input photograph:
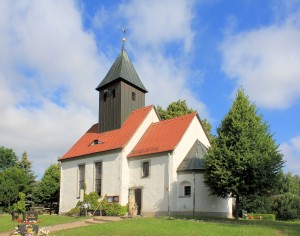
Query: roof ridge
(142, 108)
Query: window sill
(145, 177)
(185, 196)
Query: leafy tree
(207, 127)
(243, 159)
(180, 108)
(287, 207)
(47, 190)
(12, 182)
(20, 205)
(289, 183)
(7, 158)
(175, 109)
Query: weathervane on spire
(123, 39)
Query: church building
(132, 157)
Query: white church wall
(204, 203)
(154, 187)
(69, 191)
(150, 118)
(193, 133)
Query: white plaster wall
(194, 132)
(154, 187)
(150, 118)
(204, 203)
(69, 195)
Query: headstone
(30, 216)
(28, 229)
(14, 215)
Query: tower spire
(123, 38)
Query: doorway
(138, 199)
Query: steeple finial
(123, 39)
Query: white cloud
(155, 23)
(152, 27)
(166, 82)
(48, 65)
(291, 151)
(265, 62)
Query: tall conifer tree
(244, 158)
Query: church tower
(120, 92)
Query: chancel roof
(162, 136)
(193, 161)
(122, 69)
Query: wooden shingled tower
(120, 92)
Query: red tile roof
(108, 140)
(162, 136)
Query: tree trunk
(237, 207)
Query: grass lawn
(6, 224)
(160, 226)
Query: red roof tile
(162, 136)
(108, 140)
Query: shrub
(257, 204)
(73, 212)
(287, 207)
(92, 199)
(115, 209)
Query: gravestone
(30, 216)
(28, 229)
(15, 215)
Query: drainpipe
(120, 176)
(194, 193)
(169, 176)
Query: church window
(104, 97)
(112, 199)
(114, 93)
(98, 177)
(133, 96)
(81, 173)
(145, 169)
(187, 190)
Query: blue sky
(55, 53)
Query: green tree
(180, 108)
(47, 190)
(12, 181)
(289, 183)
(26, 165)
(21, 204)
(7, 158)
(243, 159)
(175, 109)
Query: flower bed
(260, 217)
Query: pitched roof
(108, 140)
(162, 136)
(124, 70)
(193, 161)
